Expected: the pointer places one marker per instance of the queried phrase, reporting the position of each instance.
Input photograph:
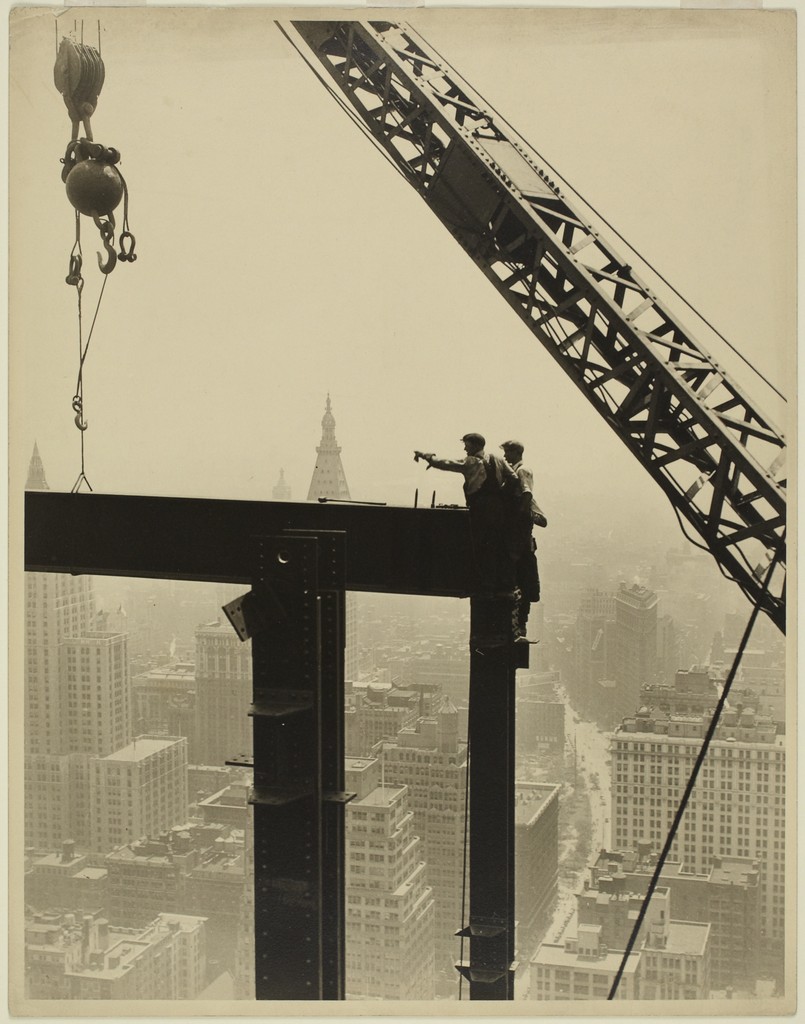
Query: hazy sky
(281, 257)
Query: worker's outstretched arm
(451, 465)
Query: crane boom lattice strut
(716, 457)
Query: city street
(592, 771)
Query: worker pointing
(492, 491)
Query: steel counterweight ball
(94, 187)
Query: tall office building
(96, 688)
(56, 607)
(635, 640)
(139, 790)
(163, 697)
(390, 911)
(329, 481)
(430, 760)
(223, 695)
(737, 808)
(536, 860)
(593, 646)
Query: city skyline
(387, 664)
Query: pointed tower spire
(328, 480)
(281, 492)
(36, 473)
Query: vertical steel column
(331, 578)
(491, 965)
(287, 771)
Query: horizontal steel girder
(388, 549)
(719, 461)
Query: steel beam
(390, 549)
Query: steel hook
(107, 230)
(78, 409)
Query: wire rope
(464, 865)
(83, 349)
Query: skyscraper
(593, 647)
(429, 759)
(737, 808)
(389, 937)
(536, 859)
(223, 695)
(56, 607)
(140, 790)
(635, 638)
(96, 711)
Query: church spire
(328, 480)
(36, 473)
(281, 492)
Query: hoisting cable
(78, 399)
(722, 700)
(464, 866)
(619, 235)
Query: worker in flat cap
(528, 515)
(491, 491)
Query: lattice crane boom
(717, 458)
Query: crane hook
(78, 409)
(107, 230)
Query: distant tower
(36, 473)
(281, 492)
(328, 480)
